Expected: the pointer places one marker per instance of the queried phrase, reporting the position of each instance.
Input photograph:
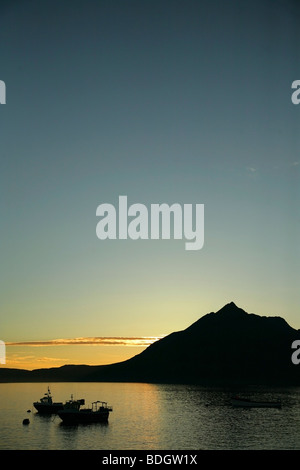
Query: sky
(185, 102)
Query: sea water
(150, 417)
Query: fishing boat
(46, 405)
(99, 412)
(247, 403)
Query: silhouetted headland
(230, 346)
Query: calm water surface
(150, 417)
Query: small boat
(47, 406)
(98, 413)
(247, 403)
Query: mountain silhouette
(230, 346)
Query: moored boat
(247, 403)
(46, 405)
(98, 413)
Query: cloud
(94, 341)
(16, 359)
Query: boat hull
(255, 404)
(83, 416)
(48, 409)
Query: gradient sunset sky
(165, 102)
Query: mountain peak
(231, 308)
(230, 346)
